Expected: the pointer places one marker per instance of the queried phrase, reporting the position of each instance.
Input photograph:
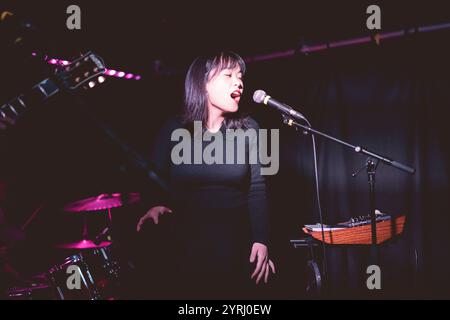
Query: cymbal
(83, 244)
(103, 202)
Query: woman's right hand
(153, 213)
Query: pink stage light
(108, 72)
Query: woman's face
(224, 90)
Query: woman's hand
(154, 214)
(263, 264)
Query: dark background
(390, 98)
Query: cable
(319, 207)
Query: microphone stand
(371, 165)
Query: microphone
(261, 97)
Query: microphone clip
(291, 123)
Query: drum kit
(90, 271)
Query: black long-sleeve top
(210, 188)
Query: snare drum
(91, 274)
(105, 270)
(73, 280)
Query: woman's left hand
(263, 264)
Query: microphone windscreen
(259, 96)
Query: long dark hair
(195, 99)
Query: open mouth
(236, 95)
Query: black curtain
(391, 99)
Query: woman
(219, 210)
